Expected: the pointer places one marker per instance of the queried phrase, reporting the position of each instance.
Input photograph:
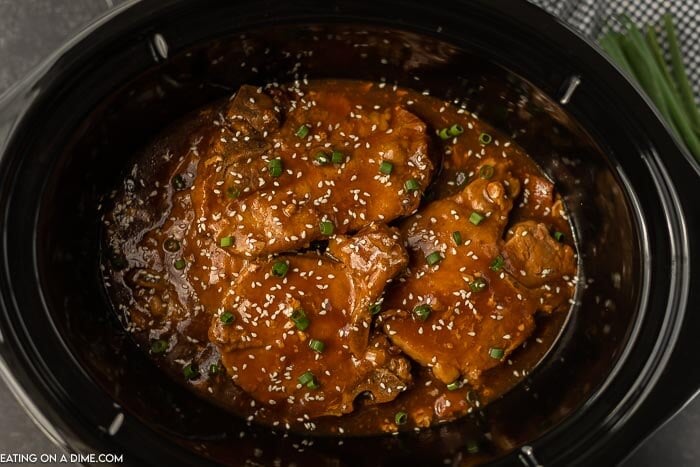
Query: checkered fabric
(594, 17)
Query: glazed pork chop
(295, 330)
(466, 303)
(290, 169)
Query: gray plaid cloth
(592, 18)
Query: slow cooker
(625, 361)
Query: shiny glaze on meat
(200, 221)
(473, 326)
(266, 353)
(235, 193)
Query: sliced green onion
(178, 182)
(401, 418)
(280, 268)
(213, 369)
(337, 157)
(455, 130)
(453, 386)
(472, 446)
(422, 311)
(313, 384)
(227, 318)
(457, 237)
(309, 380)
(558, 236)
(322, 158)
(411, 185)
(275, 167)
(302, 132)
(375, 308)
(326, 227)
(191, 371)
(159, 346)
(444, 134)
(486, 172)
(171, 245)
(485, 139)
(226, 241)
(476, 218)
(316, 345)
(497, 263)
(386, 167)
(180, 264)
(496, 353)
(478, 284)
(305, 378)
(299, 319)
(433, 258)
(472, 397)
(232, 192)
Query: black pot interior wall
(72, 169)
